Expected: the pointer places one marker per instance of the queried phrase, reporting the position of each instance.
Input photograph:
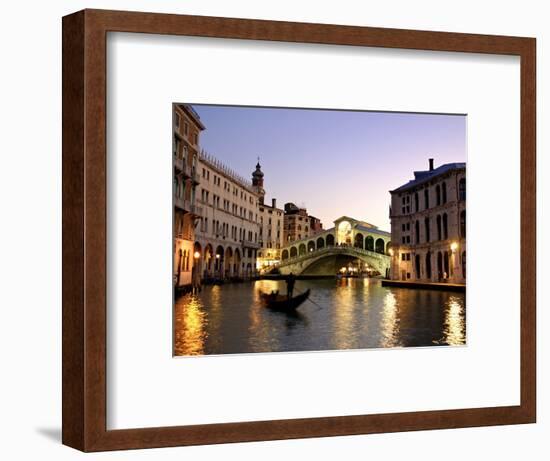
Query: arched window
(417, 232)
(463, 223)
(439, 265)
(369, 243)
(310, 246)
(428, 265)
(438, 195)
(444, 193)
(438, 220)
(285, 254)
(180, 263)
(330, 240)
(417, 266)
(344, 233)
(462, 189)
(426, 199)
(447, 273)
(427, 228)
(380, 246)
(358, 243)
(293, 252)
(302, 249)
(445, 227)
(320, 243)
(181, 189)
(416, 201)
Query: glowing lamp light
(217, 256)
(197, 255)
(454, 246)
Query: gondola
(279, 302)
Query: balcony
(194, 176)
(184, 236)
(181, 203)
(196, 210)
(249, 244)
(182, 168)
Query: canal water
(351, 313)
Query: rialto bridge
(350, 243)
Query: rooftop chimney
(274, 203)
(431, 164)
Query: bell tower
(258, 181)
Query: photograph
(312, 230)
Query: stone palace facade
(428, 226)
(222, 227)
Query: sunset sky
(332, 162)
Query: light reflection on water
(190, 327)
(342, 314)
(390, 322)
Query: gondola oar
(311, 300)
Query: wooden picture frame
(85, 221)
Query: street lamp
(454, 247)
(196, 255)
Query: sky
(334, 163)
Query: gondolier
(290, 281)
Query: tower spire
(258, 181)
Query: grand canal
(342, 314)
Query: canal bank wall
(425, 285)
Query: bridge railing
(332, 250)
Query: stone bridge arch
(319, 262)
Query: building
(428, 226)
(271, 223)
(271, 235)
(227, 236)
(222, 226)
(315, 225)
(298, 224)
(187, 128)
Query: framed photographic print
(266, 233)
(323, 279)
